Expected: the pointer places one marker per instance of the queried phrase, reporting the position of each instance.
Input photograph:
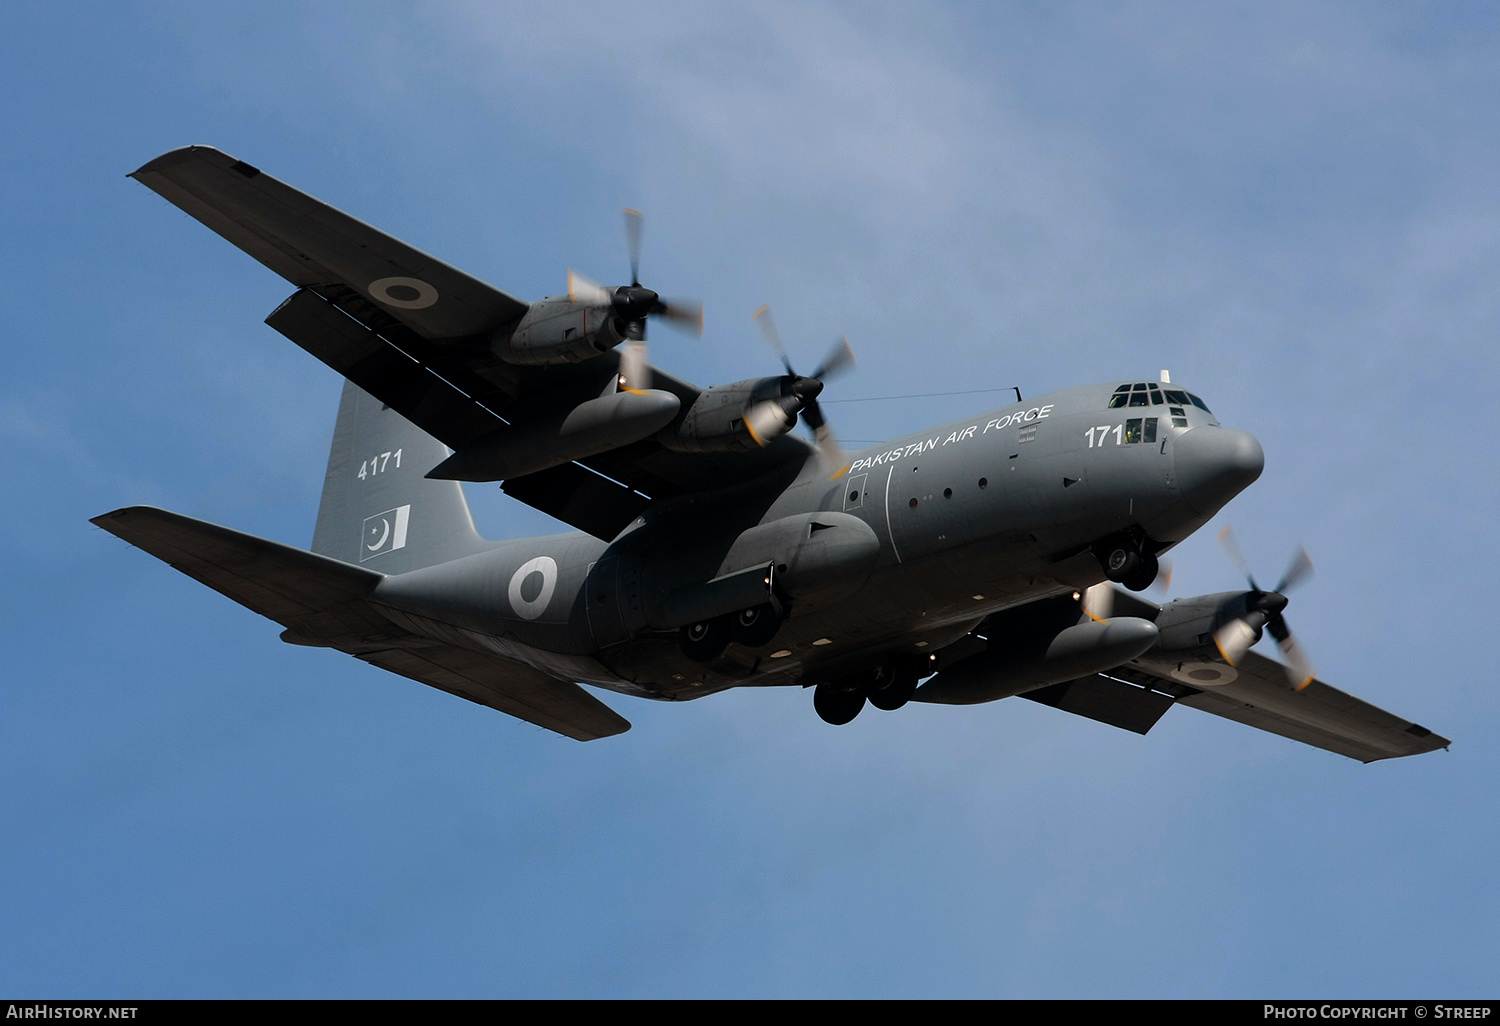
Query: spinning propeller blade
(634, 303)
(634, 222)
(581, 290)
(1099, 602)
(804, 395)
(1264, 609)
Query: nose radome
(1214, 465)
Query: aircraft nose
(1214, 465)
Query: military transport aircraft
(995, 556)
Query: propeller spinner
(634, 303)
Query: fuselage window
(1132, 430)
(1179, 419)
(1148, 435)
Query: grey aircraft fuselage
(902, 554)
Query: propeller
(633, 303)
(1263, 609)
(774, 417)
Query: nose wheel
(1125, 563)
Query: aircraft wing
(433, 362)
(1135, 695)
(321, 602)
(310, 243)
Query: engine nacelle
(558, 330)
(1187, 625)
(716, 420)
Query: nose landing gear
(1125, 562)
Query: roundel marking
(404, 293)
(530, 609)
(1205, 674)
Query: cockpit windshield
(1144, 393)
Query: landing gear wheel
(836, 705)
(894, 684)
(755, 626)
(1143, 576)
(701, 642)
(1120, 561)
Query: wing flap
(580, 498)
(309, 242)
(1105, 700)
(395, 378)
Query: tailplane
(379, 511)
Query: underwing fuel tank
(591, 427)
(1007, 670)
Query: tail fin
(378, 510)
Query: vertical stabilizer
(378, 510)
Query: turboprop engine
(558, 330)
(744, 415)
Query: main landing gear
(1126, 562)
(753, 627)
(888, 686)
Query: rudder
(378, 510)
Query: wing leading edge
(321, 602)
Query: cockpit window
(1142, 393)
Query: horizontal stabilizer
(321, 601)
(512, 688)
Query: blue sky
(1293, 208)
